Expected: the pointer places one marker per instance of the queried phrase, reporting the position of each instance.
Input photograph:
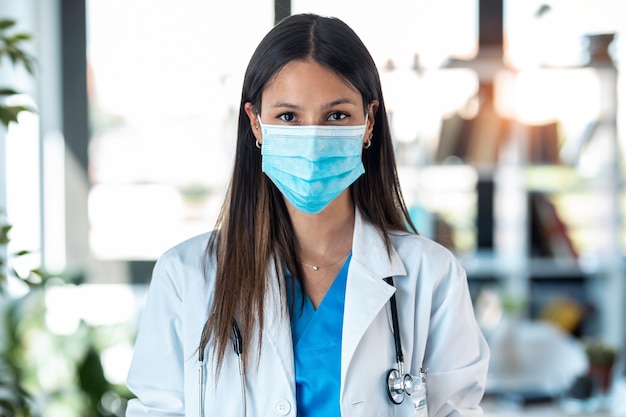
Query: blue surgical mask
(312, 165)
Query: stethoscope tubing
(238, 347)
(200, 393)
(396, 378)
(395, 323)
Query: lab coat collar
(369, 250)
(366, 292)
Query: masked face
(312, 165)
(311, 131)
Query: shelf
(483, 264)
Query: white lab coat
(438, 330)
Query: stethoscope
(398, 383)
(238, 347)
(401, 384)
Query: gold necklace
(317, 267)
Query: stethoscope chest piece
(395, 386)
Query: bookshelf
(530, 207)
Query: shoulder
(189, 250)
(413, 246)
(427, 259)
(186, 264)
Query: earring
(256, 126)
(369, 142)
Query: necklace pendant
(317, 267)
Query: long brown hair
(254, 233)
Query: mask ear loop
(369, 140)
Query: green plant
(33, 278)
(14, 399)
(11, 47)
(82, 389)
(599, 353)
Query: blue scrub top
(316, 338)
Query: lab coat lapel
(366, 292)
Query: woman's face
(306, 93)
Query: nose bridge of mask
(312, 142)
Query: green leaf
(6, 23)
(4, 234)
(11, 46)
(29, 64)
(18, 37)
(7, 92)
(22, 253)
(9, 114)
(15, 55)
(18, 56)
(39, 272)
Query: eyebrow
(325, 106)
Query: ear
(371, 113)
(254, 121)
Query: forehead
(304, 82)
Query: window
(163, 93)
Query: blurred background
(117, 138)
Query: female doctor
(312, 296)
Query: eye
(287, 117)
(337, 116)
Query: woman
(296, 278)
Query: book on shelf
(549, 233)
(477, 140)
